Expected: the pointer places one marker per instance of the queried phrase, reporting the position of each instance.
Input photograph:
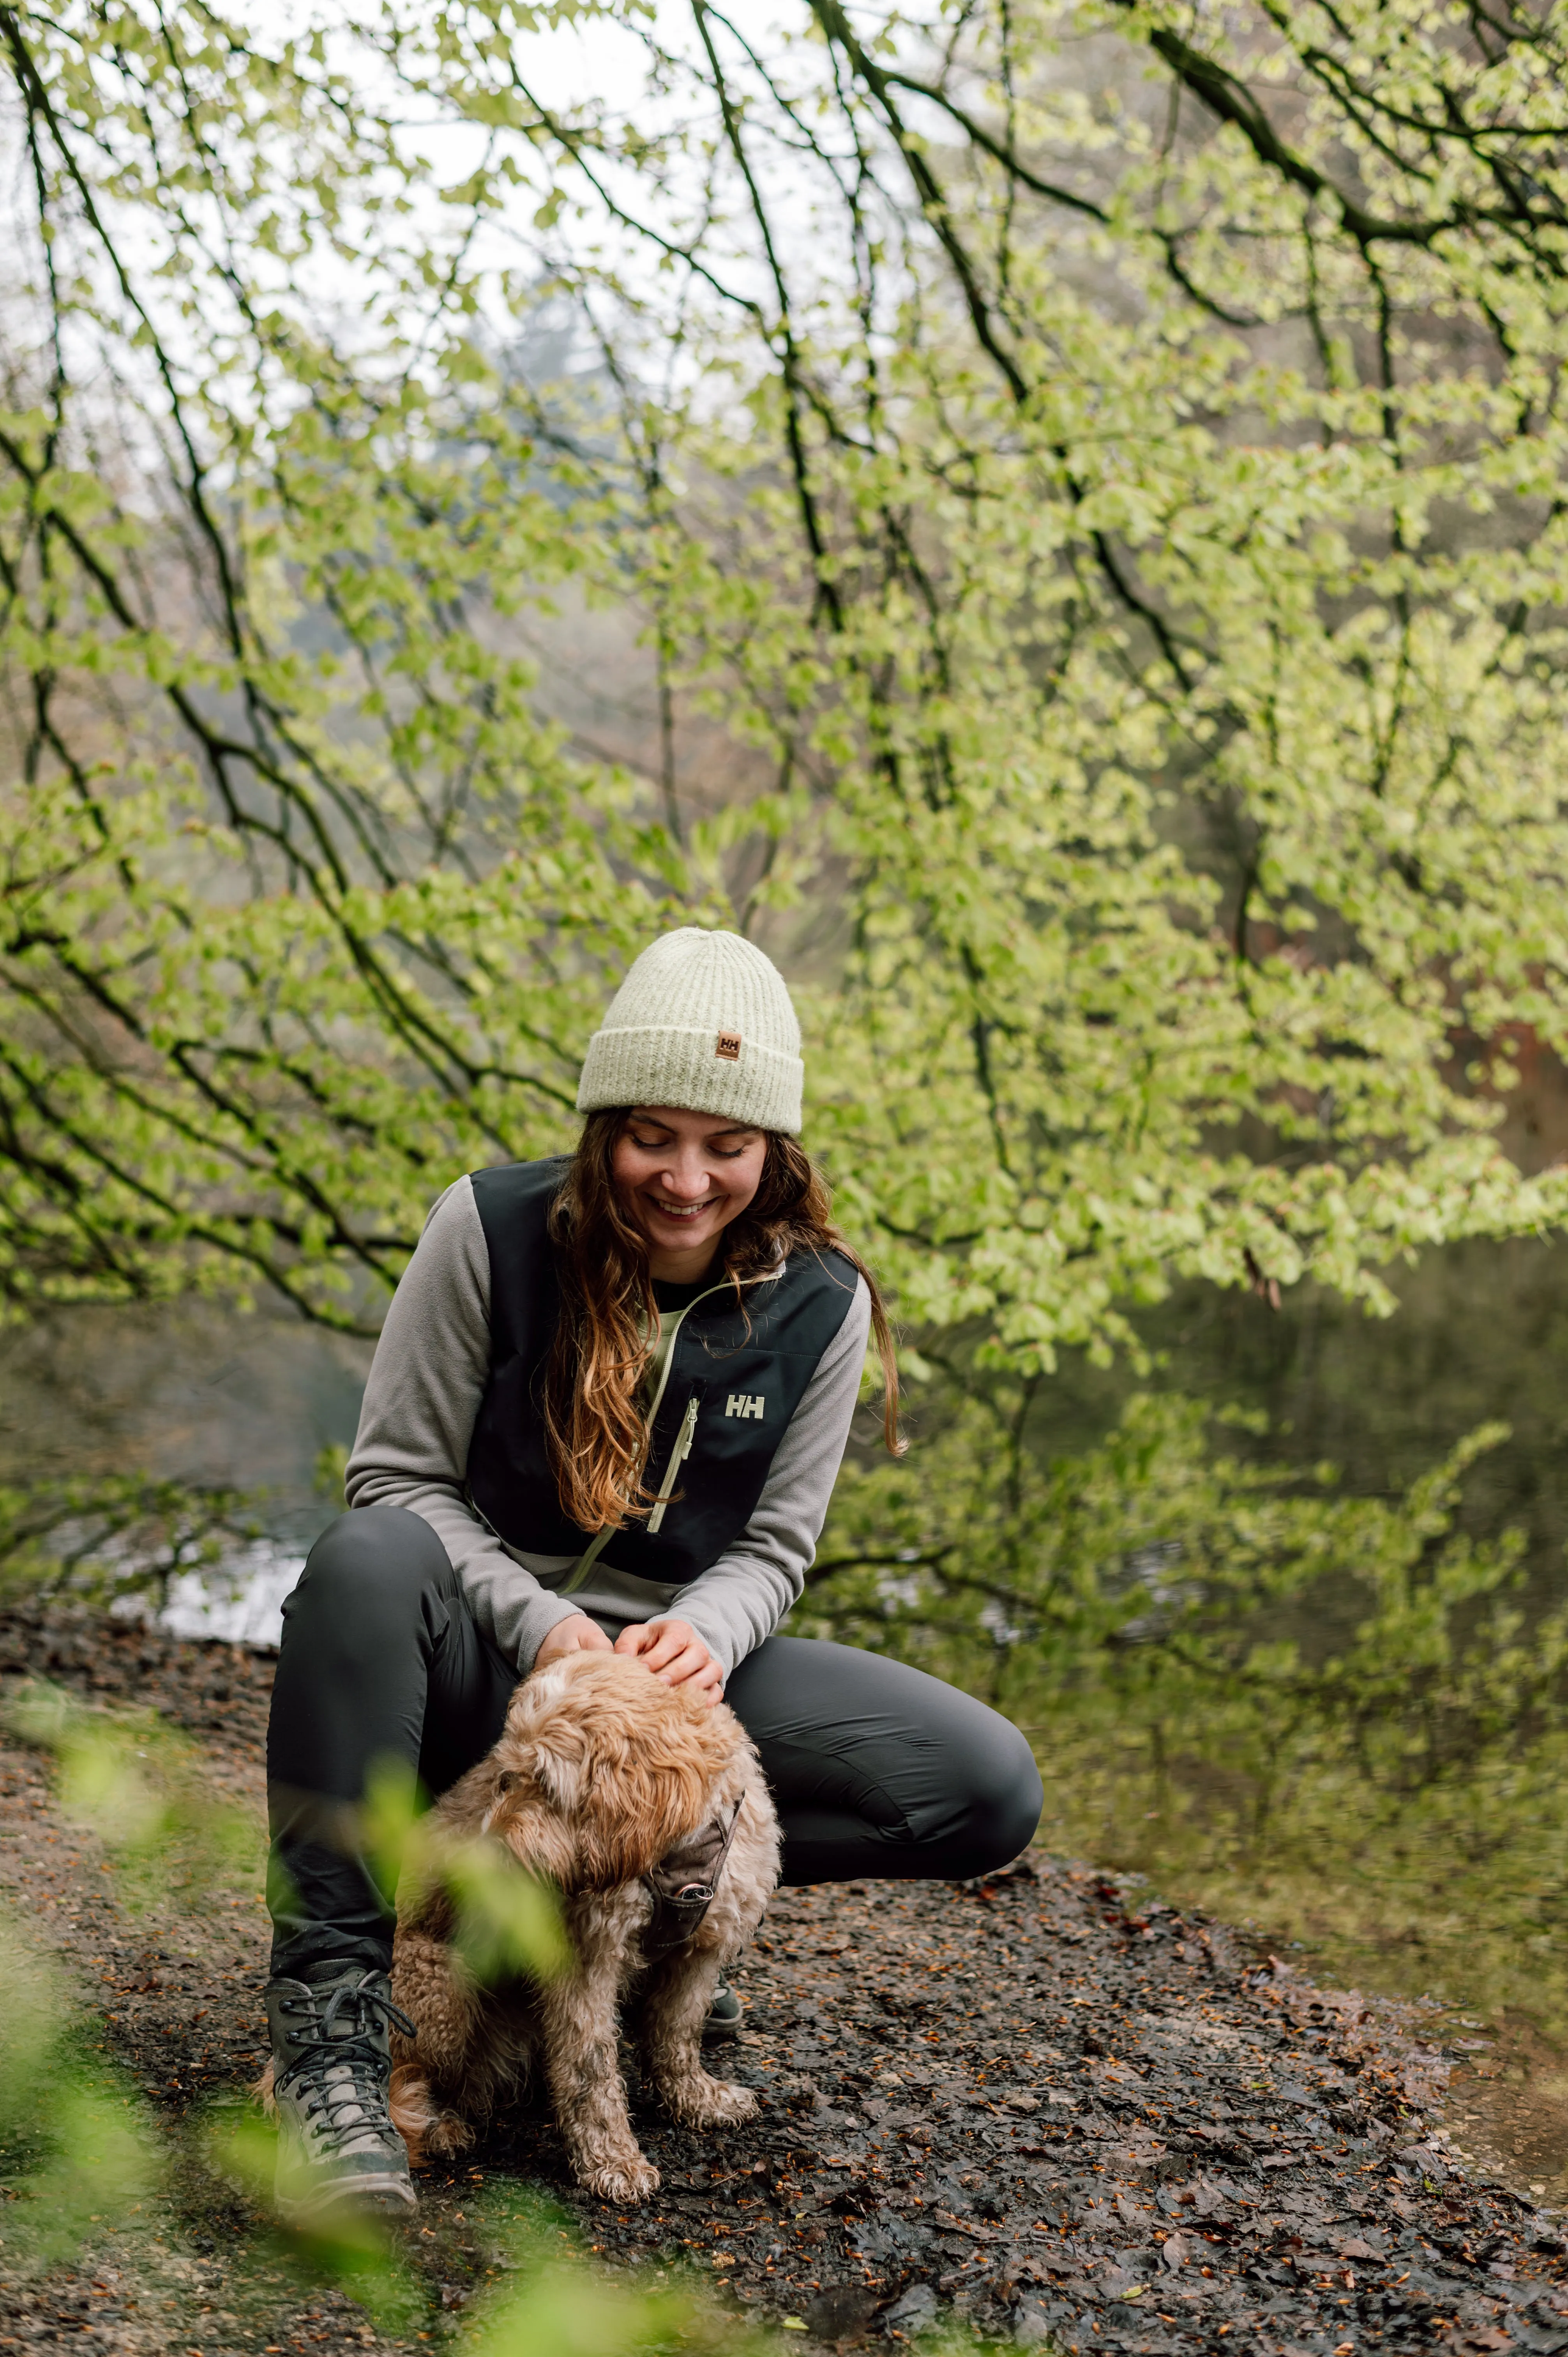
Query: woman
(608, 1409)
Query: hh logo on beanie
(729, 1047)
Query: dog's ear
(635, 1809)
(523, 1817)
(502, 1790)
(559, 1763)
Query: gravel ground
(1044, 2104)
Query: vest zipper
(664, 1359)
(678, 1456)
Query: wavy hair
(595, 1430)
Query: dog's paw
(705, 2102)
(627, 2180)
(447, 2136)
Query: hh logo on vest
(741, 1404)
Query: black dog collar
(683, 1885)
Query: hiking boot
(723, 2016)
(337, 2149)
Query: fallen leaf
(1174, 2253)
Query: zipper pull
(678, 1456)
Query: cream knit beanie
(703, 1021)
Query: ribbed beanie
(703, 1022)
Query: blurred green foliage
(507, 1921)
(72, 2151)
(147, 1792)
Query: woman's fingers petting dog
(577, 1635)
(675, 1654)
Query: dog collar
(683, 1885)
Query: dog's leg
(673, 2012)
(577, 2018)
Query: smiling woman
(686, 1180)
(608, 1410)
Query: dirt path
(1077, 2121)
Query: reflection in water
(244, 1606)
(192, 1392)
(1481, 1333)
(188, 1391)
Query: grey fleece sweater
(426, 1382)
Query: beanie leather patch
(728, 1046)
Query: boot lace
(339, 2069)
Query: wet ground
(1044, 2104)
(1508, 2100)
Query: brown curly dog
(618, 1789)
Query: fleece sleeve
(741, 1599)
(427, 1380)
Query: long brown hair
(594, 1424)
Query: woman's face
(682, 1178)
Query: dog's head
(602, 1768)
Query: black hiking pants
(876, 1771)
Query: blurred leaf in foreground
(147, 1794)
(75, 2155)
(506, 1922)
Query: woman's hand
(674, 1651)
(578, 1635)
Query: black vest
(746, 1371)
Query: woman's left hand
(674, 1651)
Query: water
(195, 1392)
(1481, 1335)
(243, 1606)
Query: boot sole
(376, 2196)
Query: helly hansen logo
(742, 1404)
(728, 1046)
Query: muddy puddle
(1506, 2108)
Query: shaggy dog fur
(600, 1770)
